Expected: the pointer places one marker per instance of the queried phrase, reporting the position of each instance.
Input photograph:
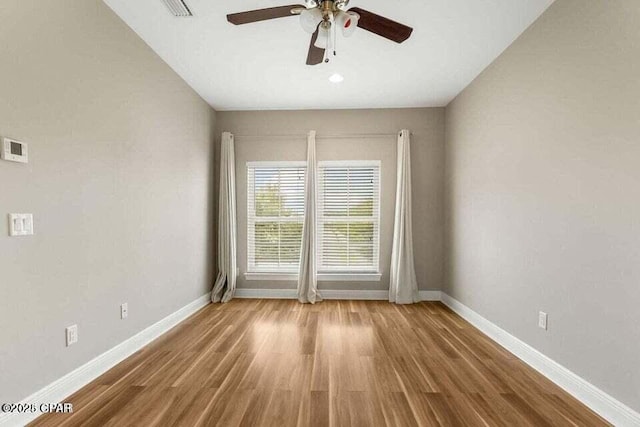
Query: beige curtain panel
(403, 286)
(308, 270)
(225, 285)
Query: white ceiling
(261, 66)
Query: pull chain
(326, 51)
(335, 38)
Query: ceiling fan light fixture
(309, 19)
(348, 22)
(322, 41)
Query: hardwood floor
(338, 363)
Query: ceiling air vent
(178, 7)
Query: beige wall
(118, 182)
(427, 126)
(543, 161)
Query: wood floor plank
(337, 363)
(80, 400)
(186, 408)
(422, 412)
(318, 413)
(396, 410)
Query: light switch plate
(124, 310)
(20, 224)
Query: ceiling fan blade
(262, 14)
(316, 54)
(382, 26)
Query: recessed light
(336, 78)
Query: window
(275, 208)
(348, 217)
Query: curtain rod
(322, 136)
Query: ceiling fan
(321, 18)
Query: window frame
(358, 275)
(365, 273)
(253, 271)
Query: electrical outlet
(542, 320)
(124, 310)
(72, 335)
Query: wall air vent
(178, 7)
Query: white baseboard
(430, 295)
(64, 387)
(370, 295)
(266, 293)
(600, 402)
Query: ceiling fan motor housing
(329, 6)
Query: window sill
(322, 277)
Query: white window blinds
(349, 216)
(275, 209)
